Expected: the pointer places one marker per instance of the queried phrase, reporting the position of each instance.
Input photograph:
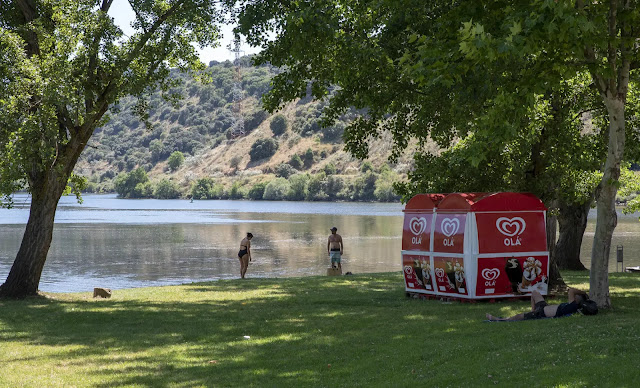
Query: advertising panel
(449, 275)
(417, 273)
(449, 233)
(416, 231)
(512, 275)
(505, 232)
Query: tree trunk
(572, 220)
(556, 282)
(24, 277)
(606, 214)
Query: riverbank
(314, 331)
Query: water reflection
(117, 243)
(133, 243)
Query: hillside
(199, 127)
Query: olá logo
(490, 275)
(512, 228)
(417, 225)
(449, 227)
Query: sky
(123, 16)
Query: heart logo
(408, 270)
(418, 225)
(490, 274)
(440, 272)
(511, 226)
(450, 226)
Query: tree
(278, 125)
(262, 149)
(134, 184)
(443, 70)
(69, 64)
(166, 189)
(175, 160)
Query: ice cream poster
(512, 275)
(417, 272)
(450, 275)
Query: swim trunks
(335, 256)
(538, 311)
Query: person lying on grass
(578, 301)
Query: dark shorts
(565, 309)
(538, 311)
(242, 253)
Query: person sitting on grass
(578, 301)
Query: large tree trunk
(26, 271)
(572, 220)
(606, 213)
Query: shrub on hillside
(296, 162)
(278, 124)
(262, 149)
(285, 170)
(254, 119)
(307, 158)
(175, 160)
(276, 190)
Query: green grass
(312, 332)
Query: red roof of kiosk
(424, 201)
(476, 202)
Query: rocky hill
(192, 148)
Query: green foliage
(175, 161)
(308, 158)
(365, 186)
(166, 189)
(277, 190)
(296, 162)
(317, 188)
(134, 184)
(236, 191)
(384, 186)
(285, 170)
(204, 188)
(278, 124)
(330, 169)
(366, 167)
(257, 191)
(298, 187)
(263, 149)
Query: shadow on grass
(341, 331)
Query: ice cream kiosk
(475, 245)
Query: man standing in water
(335, 248)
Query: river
(121, 243)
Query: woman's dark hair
(249, 235)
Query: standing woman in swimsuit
(245, 254)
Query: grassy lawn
(312, 332)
